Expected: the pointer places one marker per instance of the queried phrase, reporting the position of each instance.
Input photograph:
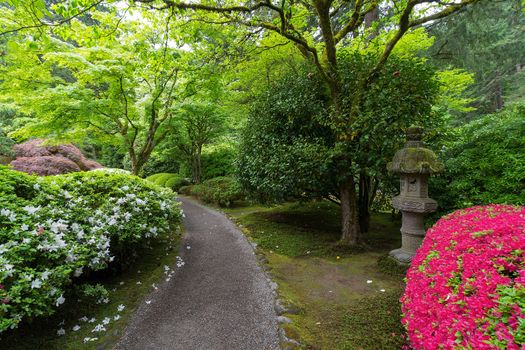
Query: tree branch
(52, 24)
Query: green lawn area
(124, 289)
(324, 284)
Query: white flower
(78, 272)
(58, 226)
(188, 247)
(76, 328)
(31, 210)
(60, 300)
(88, 339)
(24, 227)
(116, 317)
(106, 321)
(139, 282)
(99, 328)
(92, 320)
(120, 308)
(36, 284)
(148, 302)
(368, 281)
(180, 262)
(80, 234)
(61, 332)
(36, 187)
(83, 319)
(8, 269)
(382, 290)
(46, 274)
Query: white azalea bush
(55, 229)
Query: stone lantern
(414, 163)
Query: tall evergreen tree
(487, 40)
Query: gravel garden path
(219, 299)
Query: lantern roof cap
(415, 158)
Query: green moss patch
(339, 298)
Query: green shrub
(163, 178)
(187, 190)
(169, 180)
(153, 178)
(223, 191)
(485, 163)
(54, 229)
(176, 182)
(219, 161)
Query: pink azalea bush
(466, 285)
(34, 157)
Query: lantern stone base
(412, 235)
(401, 257)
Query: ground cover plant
(53, 230)
(336, 297)
(466, 285)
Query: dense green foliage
(55, 229)
(169, 180)
(288, 151)
(284, 147)
(488, 41)
(6, 143)
(219, 160)
(223, 191)
(485, 162)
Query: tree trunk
(498, 97)
(135, 169)
(364, 202)
(194, 168)
(198, 175)
(350, 231)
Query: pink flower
(455, 282)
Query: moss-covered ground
(128, 288)
(338, 298)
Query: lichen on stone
(415, 160)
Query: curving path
(220, 298)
